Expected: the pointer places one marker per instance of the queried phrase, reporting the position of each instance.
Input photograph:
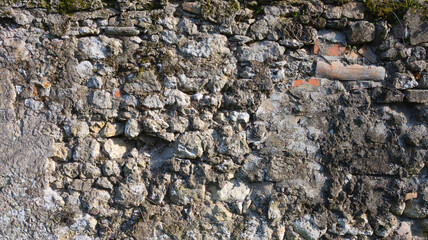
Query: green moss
(69, 6)
(393, 10)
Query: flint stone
(360, 32)
(404, 81)
(261, 51)
(84, 69)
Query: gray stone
(333, 36)
(71, 170)
(291, 43)
(122, 31)
(104, 183)
(423, 79)
(189, 145)
(354, 10)
(101, 99)
(153, 101)
(389, 54)
(415, 65)
(259, 30)
(169, 37)
(307, 228)
(95, 82)
(360, 32)
(415, 210)
(85, 69)
(23, 17)
(111, 168)
(89, 170)
(418, 27)
(404, 81)
(188, 27)
(87, 149)
(261, 51)
(130, 195)
(333, 12)
(233, 191)
(207, 46)
(93, 47)
(417, 96)
(79, 129)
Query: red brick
(312, 81)
(329, 49)
(336, 70)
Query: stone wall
(213, 119)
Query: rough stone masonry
(213, 119)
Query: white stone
(132, 128)
(115, 148)
(233, 191)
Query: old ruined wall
(213, 119)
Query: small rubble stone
(102, 99)
(354, 10)
(115, 148)
(360, 32)
(122, 31)
(112, 130)
(132, 128)
(78, 129)
(130, 195)
(261, 51)
(111, 168)
(404, 81)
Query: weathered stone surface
(130, 195)
(211, 119)
(189, 145)
(115, 148)
(261, 51)
(418, 28)
(360, 32)
(122, 31)
(354, 10)
(337, 70)
(417, 96)
(112, 130)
